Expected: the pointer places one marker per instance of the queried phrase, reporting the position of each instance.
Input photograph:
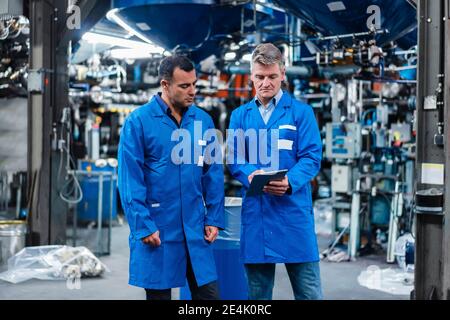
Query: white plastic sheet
(393, 281)
(52, 263)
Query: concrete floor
(339, 280)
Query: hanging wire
(66, 195)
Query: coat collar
(275, 99)
(278, 112)
(159, 109)
(189, 116)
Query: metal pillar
(432, 261)
(40, 122)
(50, 38)
(446, 228)
(354, 241)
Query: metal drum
(88, 209)
(231, 277)
(230, 268)
(12, 238)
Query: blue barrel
(87, 208)
(230, 269)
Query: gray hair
(267, 54)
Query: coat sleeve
(132, 187)
(213, 184)
(239, 167)
(309, 151)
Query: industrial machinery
(356, 66)
(371, 150)
(14, 54)
(356, 70)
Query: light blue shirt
(266, 111)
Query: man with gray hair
(278, 226)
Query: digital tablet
(261, 180)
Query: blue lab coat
(177, 199)
(279, 229)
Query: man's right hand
(250, 177)
(152, 239)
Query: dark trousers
(209, 291)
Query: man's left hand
(211, 233)
(277, 188)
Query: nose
(266, 82)
(191, 91)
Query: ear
(283, 74)
(164, 84)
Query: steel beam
(446, 228)
(432, 236)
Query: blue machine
(230, 270)
(344, 17)
(380, 208)
(87, 209)
(196, 26)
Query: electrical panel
(341, 178)
(343, 140)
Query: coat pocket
(148, 260)
(287, 134)
(294, 215)
(159, 214)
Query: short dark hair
(168, 65)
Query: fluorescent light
(336, 6)
(247, 57)
(143, 26)
(112, 15)
(133, 53)
(230, 55)
(234, 47)
(101, 38)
